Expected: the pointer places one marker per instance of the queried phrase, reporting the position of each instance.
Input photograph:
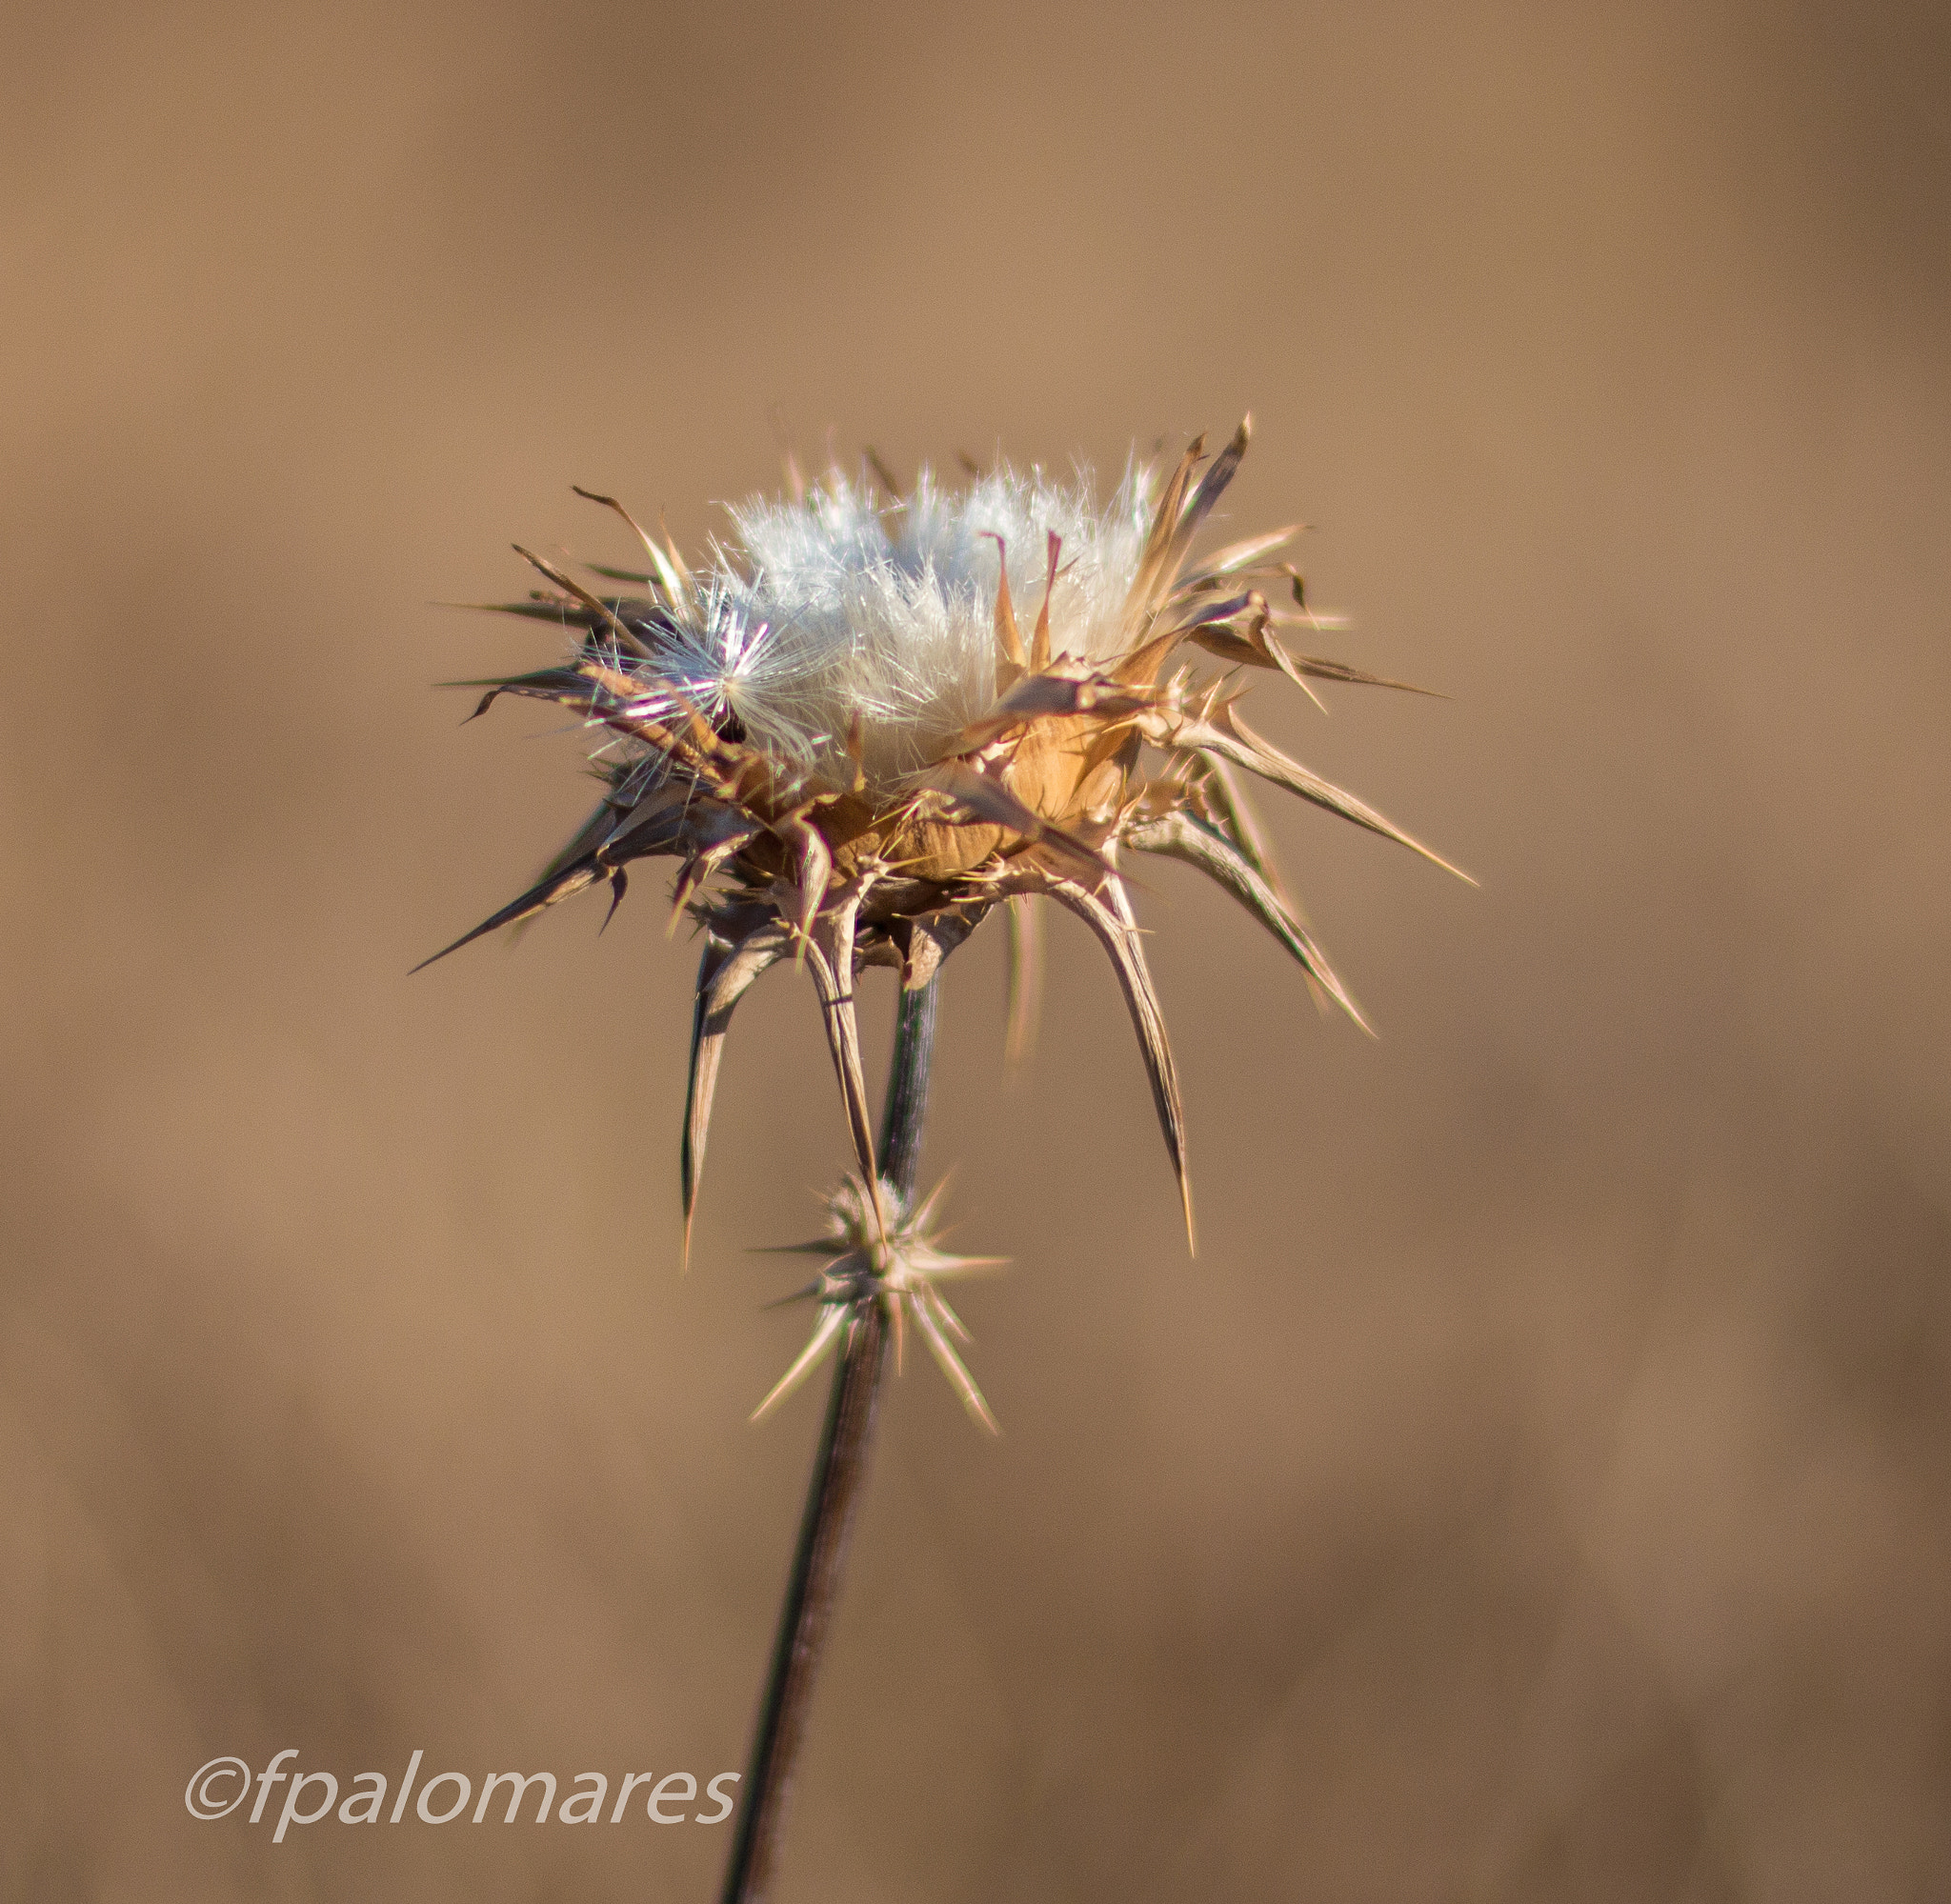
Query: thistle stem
(839, 1469)
(907, 1105)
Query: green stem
(839, 1469)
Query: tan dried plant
(838, 729)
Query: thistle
(837, 729)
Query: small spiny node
(880, 1253)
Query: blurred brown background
(1537, 1489)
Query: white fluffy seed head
(836, 611)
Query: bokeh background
(1539, 1488)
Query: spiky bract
(879, 1250)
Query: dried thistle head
(839, 728)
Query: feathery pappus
(854, 745)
